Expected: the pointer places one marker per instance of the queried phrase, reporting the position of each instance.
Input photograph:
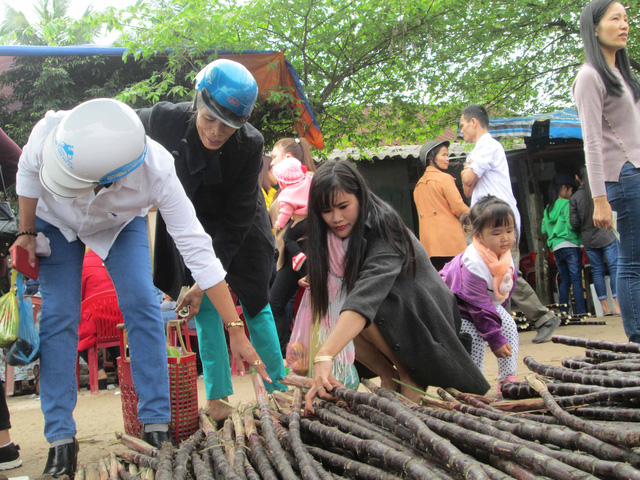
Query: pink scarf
(337, 256)
(500, 269)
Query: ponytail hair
(298, 148)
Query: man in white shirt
(487, 173)
(88, 177)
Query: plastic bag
(298, 346)
(26, 348)
(9, 317)
(343, 369)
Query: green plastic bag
(9, 316)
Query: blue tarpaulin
(561, 124)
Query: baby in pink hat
(294, 195)
(293, 198)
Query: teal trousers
(214, 354)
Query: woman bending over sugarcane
(402, 318)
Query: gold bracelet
(322, 358)
(237, 323)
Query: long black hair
(331, 179)
(589, 19)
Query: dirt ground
(98, 417)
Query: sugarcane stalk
(539, 418)
(297, 381)
(392, 459)
(517, 452)
(446, 396)
(286, 441)
(258, 452)
(586, 463)
(610, 414)
(350, 467)
(133, 469)
(607, 434)
(165, 462)
(113, 466)
(562, 437)
(137, 444)
(328, 417)
(91, 473)
(610, 395)
(603, 355)
(523, 390)
(200, 471)
(225, 436)
(283, 467)
(221, 466)
(513, 469)
(302, 456)
(352, 418)
(124, 474)
(240, 457)
(630, 368)
(620, 365)
(579, 377)
(103, 470)
(131, 457)
(597, 344)
(524, 405)
(437, 446)
(180, 470)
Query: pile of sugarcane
(604, 384)
(566, 318)
(380, 434)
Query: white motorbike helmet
(96, 143)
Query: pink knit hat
(288, 171)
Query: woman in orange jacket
(439, 205)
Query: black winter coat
(228, 203)
(417, 315)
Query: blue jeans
(129, 265)
(597, 256)
(624, 197)
(569, 263)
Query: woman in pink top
(607, 95)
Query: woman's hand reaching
(323, 383)
(241, 349)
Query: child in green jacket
(564, 241)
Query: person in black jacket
(403, 319)
(218, 159)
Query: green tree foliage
(374, 72)
(53, 26)
(354, 57)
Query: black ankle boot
(156, 439)
(62, 460)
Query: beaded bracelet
(237, 323)
(27, 232)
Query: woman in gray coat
(403, 320)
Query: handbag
(8, 223)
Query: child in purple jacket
(482, 279)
